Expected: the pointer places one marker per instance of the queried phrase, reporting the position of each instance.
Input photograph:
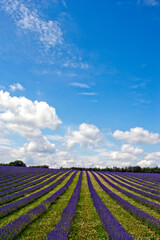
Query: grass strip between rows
(132, 225)
(61, 229)
(32, 187)
(39, 229)
(129, 179)
(152, 222)
(22, 184)
(13, 229)
(11, 207)
(136, 190)
(11, 217)
(138, 186)
(139, 199)
(113, 228)
(86, 223)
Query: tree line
(133, 169)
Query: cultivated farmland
(39, 203)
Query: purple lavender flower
(61, 229)
(111, 225)
(152, 222)
(14, 228)
(11, 207)
(141, 187)
(139, 191)
(131, 195)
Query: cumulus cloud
(137, 135)
(145, 163)
(153, 156)
(130, 149)
(119, 155)
(125, 156)
(41, 145)
(88, 135)
(80, 85)
(27, 18)
(25, 117)
(9, 154)
(16, 86)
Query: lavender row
(22, 193)
(138, 182)
(21, 177)
(13, 206)
(154, 178)
(152, 222)
(14, 228)
(22, 185)
(62, 229)
(114, 230)
(15, 179)
(139, 187)
(17, 172)
(133, 196)
(155, 197)
(18, 186)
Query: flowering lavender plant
(11, 207)
(112, 227)
(61, 229)
(138, 181)
(139, 191)
(152, 222)
(131, 195)
(14, 228)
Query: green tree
(17, 163)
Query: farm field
(41, 203)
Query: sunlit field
(39, 203)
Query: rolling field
(39, 203)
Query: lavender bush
(111, 225)
(152, 222)
(14, 228)
(62, 229)
(137, 186)
(16, 195)
(11, 207)
(131, 195)
(138, 191)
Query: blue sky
(79, 82)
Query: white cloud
(130, 149)
(76, 63)
(145, 163)
(40, 145)
(16, 86)
(55, 138)
(118, 155)
(88, 93)
(88, 135)
(81, 85)
(5, 141)
(27, 18)
(9, 154)
(153, 156)
(137, 135)
(148, 2)
(25, 117)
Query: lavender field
(41, 203)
